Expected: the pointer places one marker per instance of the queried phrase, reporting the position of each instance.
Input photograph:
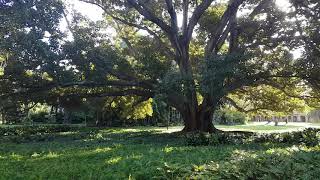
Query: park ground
(155, 153)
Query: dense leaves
(309, 137)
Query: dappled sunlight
(16, 157)
(113, 160)
(136, 152)
(168, 149)
(102, 150)
(274, 163)
(265, 127)
(239, 154)
(51, 155)
(68, 133)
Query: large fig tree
(195, 55)
(216, 48)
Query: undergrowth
(115, 153)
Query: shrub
(309, 137)
(276, 164)
(39, 117)
(204, 139)
(230, 117)
(199, 139)
(19, 134)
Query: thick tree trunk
(67, 117)
(98, 118)
(202, 122)
(196, 118)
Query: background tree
(29, 50)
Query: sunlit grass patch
(260, 128)
(113, 160)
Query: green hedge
(230, 117)
(309, 137)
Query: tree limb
(185, 9)
(146, 12)
(224, 21)
(200, 9)
(239, 108)
(167, 51)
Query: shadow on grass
(120, 154)
(276, 163)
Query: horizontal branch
(116, 93)
(284, 91)
(167, 51)
(239, 108)
(28, 91)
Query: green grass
(260, 128)
(268, 128)
(146, 153)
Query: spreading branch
(160, 42)
(147, 13)
(219, 36)
(239, 108)
(200, 9)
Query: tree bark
(66, 117)
(199, 123)
(196, 118)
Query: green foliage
(115, 153)
(219, 71)
(38, 117)
(227, 116)
(269, 100)
(171, 83)
(127, 108)
(309, 137)
(211, 18)
(206, 139)
(38, 113)
(31, 130)
(263, 128)
(20, 134)
(276, 163)
(1, 71)
(201, 139)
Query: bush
(31, 130)
(19, 134)
(39, 113)
(205, 139)
(39, 117)
(289, 163)
(230, 117)
(201, 139)
(309, 137)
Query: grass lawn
(151, 153)
(264, 127)
(261, 128)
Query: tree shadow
(117, 154)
